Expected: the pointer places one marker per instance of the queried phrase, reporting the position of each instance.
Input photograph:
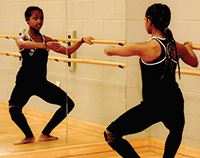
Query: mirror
(98, 91)
(37, 111)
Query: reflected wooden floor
(77, 132)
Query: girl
(31, 78)
(162, 98)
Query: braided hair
(29, 10)
(160, 16)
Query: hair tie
(165, 30)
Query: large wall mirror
(37, 111)
(98, 91)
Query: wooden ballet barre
(8, 36)
(95, 62)
(189, 72)
(11, 54)
(74, 40)
(195, 47)
(99, 41)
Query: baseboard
(157, 146)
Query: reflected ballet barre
(65, 40)
(196, 47)
(94, 62)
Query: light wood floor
(71, 141)
(75, 134)
(115, 155)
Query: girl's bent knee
(70, 106)
(14, 111)
(109, 137)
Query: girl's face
(36, 20)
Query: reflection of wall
(98, 91)
(11, 23)
(185, 26)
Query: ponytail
(168, 35)
(171, 51)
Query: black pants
(46, 91)
(143, 116)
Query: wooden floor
(81, 140)
(115, 155)
(77, 132)
(149, 154)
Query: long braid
(172, 58)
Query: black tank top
(34, 64)
(158, 83)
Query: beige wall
(99, 91)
